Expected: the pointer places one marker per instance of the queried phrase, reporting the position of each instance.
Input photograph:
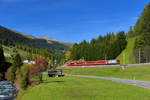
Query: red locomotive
(87, 63)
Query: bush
(36, 70)
(1, 76)
(8, 74)
(22, 78)
(13, 74)
(25, 78)
(15, 67)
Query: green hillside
(8, 50)
(12, 38)
(30, 47)
(128, 52)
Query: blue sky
(70, 20)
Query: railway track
(129, 65)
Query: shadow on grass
(54, 81)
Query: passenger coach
(88, 63)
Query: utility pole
(139, 55)
(123, 57)
(105, 58)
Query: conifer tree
(2, 63)
(118, 46)
(142, 28)
(17, 61)
(130, 33)
(107, 47)
(16, 66)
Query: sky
(70, 20)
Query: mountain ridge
(69, 44)
(9, 36)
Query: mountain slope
(10, 37)
(127, 53)
(68, 44)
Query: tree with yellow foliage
(68, 55)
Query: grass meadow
(75, 88)
(132, 73)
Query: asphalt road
(143, 84)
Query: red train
(87, 63)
